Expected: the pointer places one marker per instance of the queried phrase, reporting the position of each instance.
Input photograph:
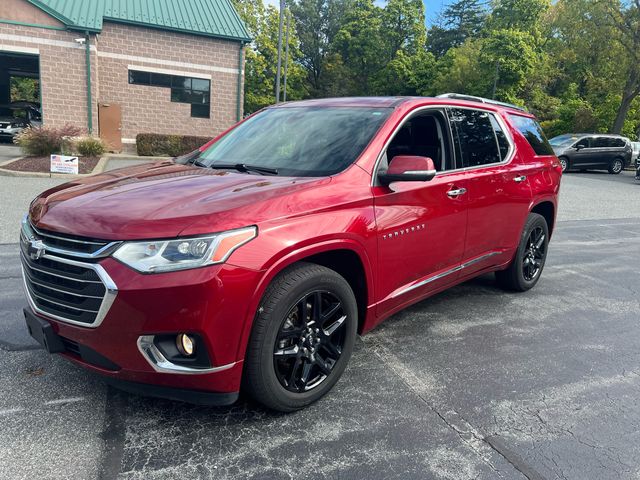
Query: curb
(99, 168)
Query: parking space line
(8, 411)
(62, 401)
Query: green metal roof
(211, 18)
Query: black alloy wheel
(534, 254)
(310, 341)
(525, 269)
(302, 337)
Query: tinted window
(183, 89)
(476, 142)
(601, 142)
(585, 142)
(299, 141)
(617, 142)
(533, 133)
(503, 143)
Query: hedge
(155, 144)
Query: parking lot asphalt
(472, 383)
(8, 150)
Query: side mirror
(408, 168)
(579, 147)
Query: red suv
(253, 263)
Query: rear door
(499, 194)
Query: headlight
(168, 255)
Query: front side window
(585, 142)
(195, 91)
(299, 141)
(476, 141)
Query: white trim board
(166, 63)
(182, 73)
(13, 49)
(42, 41)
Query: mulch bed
(43, 164)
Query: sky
(433, 7)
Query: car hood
(163, 200)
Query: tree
(460, 20)
(317, 23)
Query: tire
(525, 269)
(616, 166)
(281, 341)
(564, 163)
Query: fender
(279, 264)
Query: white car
(14, 118)
(636, 152)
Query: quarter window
(477, 143)
(532, 131)
(195, 91)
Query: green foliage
(43, 141)
(574, 63)
(156, 145)
(90, 146)
(24, 89)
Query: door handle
(521, 178)
(456, 192)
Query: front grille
(72, 245)
(63, 288)
(4, 125)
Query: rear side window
(617, 142)
(533, 133)
(476, 141)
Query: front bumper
(211, 302)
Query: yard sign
(64, 164)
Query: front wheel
(564, 163)
(616, 166)
(302, 337)
(526, 267)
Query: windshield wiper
(243, 167)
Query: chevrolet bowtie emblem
(35, 249)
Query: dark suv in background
(592, 151)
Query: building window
(195, 91)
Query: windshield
(563, 140)
(299, 141)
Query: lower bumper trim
(196, 397)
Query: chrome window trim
(438, 276)
(160, 364)
(29, 231)
(111, 291)
(498, 117)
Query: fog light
(186, 344)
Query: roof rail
(461, 96)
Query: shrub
(43, 141)
(154, 144)
(90, 146)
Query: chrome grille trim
(28, 232)
(111, 291)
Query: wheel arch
(348, 258)
(548, 210)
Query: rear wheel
(526, 267)
(564, 163)
(616, 166)
(302, 337)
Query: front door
(110, 125)
(421, 226)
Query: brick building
(122, 68)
